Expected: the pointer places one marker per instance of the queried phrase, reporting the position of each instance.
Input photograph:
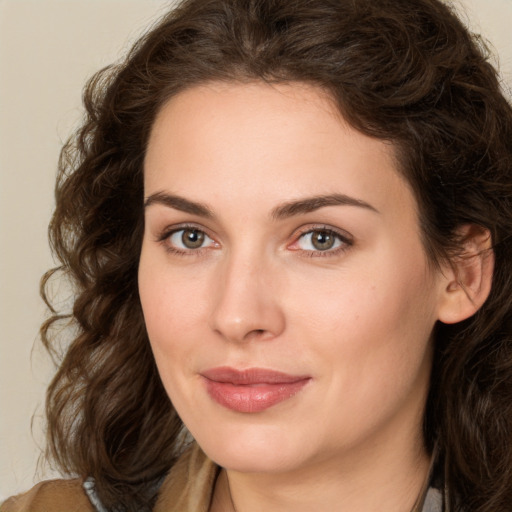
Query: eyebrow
(179, 203)
(310, 204)
(289, 209)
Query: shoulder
(51, 496)
(189, 485)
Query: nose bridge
(246, 303)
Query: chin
(253, 461)
(251, 449)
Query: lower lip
(252, 397)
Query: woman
(287, 224)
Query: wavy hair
(404, 71)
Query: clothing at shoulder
(51, 496)
(187, 488)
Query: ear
(467, 278)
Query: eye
(189, 239)
(321, 240)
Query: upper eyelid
(169, 230)
(343, 234)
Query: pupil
(322, 240)
(192, 239)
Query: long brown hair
(405, 71)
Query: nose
(246, 303)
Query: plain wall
(48, 48)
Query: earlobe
(468, 276)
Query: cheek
(170, 296)
(377, 302)
(171, 309)
(371, 329)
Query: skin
(356, 318)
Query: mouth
(251, 390)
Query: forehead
(222, 141)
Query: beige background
(48, 48)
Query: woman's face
(286, 292)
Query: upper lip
(225, 374)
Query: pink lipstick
(251, 390)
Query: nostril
(258, 334)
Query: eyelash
(165, 236)
(345, 241)
(344, 238)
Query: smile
(252, 390)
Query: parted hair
(405, 71)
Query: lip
(251, 390)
